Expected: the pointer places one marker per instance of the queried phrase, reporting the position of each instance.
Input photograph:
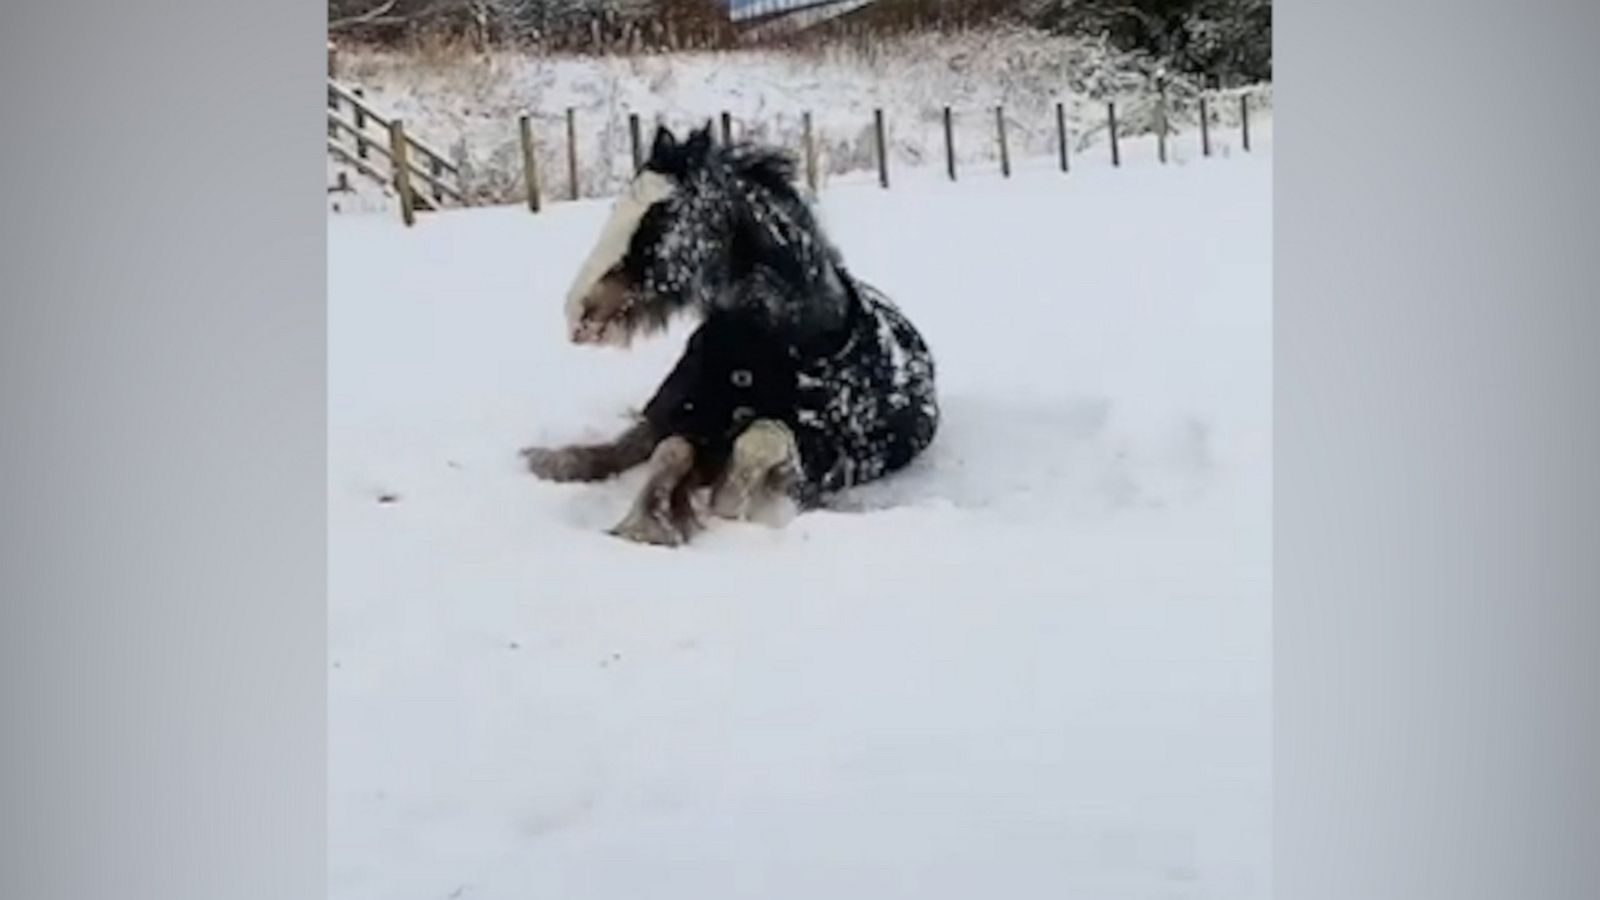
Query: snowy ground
(1033, 666)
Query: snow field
(1036, 664)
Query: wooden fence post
(1161, 121)
(530, 164)
(727, 129)
(883, 149)
(949, 145)
(401, 161)
(811, 154)
(360, 119)
(572, 152)
(1111, 123)
(1244, 120)
(1005, 150)
(634, 137)
(1205, 127)
(436, 169)
(1061, 134)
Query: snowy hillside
(1035, 665)
(469, 104)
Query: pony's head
(691, 221)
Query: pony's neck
(785, 268)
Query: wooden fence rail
(368, 146)
(337, 95)
(378, 149)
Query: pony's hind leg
(763, 463)
(662, 513)
(592, 462)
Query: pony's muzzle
(602, 312)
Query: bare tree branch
(381, 15)
(371, 15)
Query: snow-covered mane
(706, 227)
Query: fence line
(1158, 116)
(433, 179)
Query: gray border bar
(1438, 427)
(162, 451)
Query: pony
(800, 380)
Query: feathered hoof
(648, 529)
(734, 495)
(559, 464)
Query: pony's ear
(664, 149)
(698, 147)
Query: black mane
(741, 201)
(802, 261)
(769, 167)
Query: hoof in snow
(564, 464)
(649, 530)
(734, 496)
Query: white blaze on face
(648, 189)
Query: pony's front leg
(663, 514)
(765, 460)
(593, 462)
(597, 462)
